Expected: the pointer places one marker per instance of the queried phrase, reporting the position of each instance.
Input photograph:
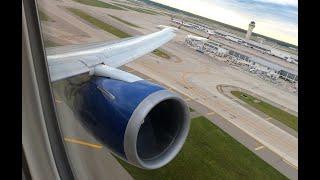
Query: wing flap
(68, 69)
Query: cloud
(273, 18)
(293, 3)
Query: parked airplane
(140, 122)
(164, 26)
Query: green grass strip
(161, 53)
(97, 3)
(274, 112)
(146, 11)
(43, 16)
(209, 153)
(126, 22)
(100, 24)
(110, 29)
(49, 43)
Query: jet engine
(140, 122)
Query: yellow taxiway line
(97, 146)
(210, 113)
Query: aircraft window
(94, 105)
(132, 97)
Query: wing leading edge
(70, 61)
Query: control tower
(250, 29)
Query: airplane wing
(120, 109)
(68, 61)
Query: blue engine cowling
(140, 122)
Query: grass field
(43, 16)
(146, 11)
(97, 3)
(209, 153)
(274, 112)
(110, 29)
(161, 53)
(124, 21)
(49, 43)
(100, 24)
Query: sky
(274, 18)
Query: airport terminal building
(257, 46)
(284, 72)
(204, 45)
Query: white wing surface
(68, 61)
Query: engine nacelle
(140, 122)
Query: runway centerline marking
(258, 148)
(97, 146)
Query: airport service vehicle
(200, 49)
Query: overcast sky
(274, 18)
